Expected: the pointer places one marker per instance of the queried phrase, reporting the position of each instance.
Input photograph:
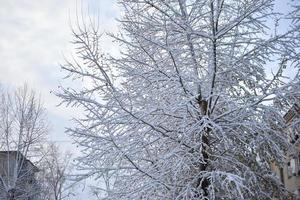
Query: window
(298, 164)
(293, 136)
(293, 166)
(281, 175)
(289, 169)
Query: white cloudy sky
(34, 34)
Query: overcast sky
(34, 34)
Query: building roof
(15, 153)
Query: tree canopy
(188, 111)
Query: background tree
(188, 110)
(54, 175)
(23, 125)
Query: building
(17, 177)
(290, 173)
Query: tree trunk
(204, 182)
(11, 194)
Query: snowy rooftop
(17, 153)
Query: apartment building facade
(289, 174)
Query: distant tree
(54, 175)
(188, 110)
(23, 126)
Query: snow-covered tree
(189, 110)
(55, 168)
(23, 125)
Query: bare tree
(23, 125)
(54, 175)
(187, 111)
